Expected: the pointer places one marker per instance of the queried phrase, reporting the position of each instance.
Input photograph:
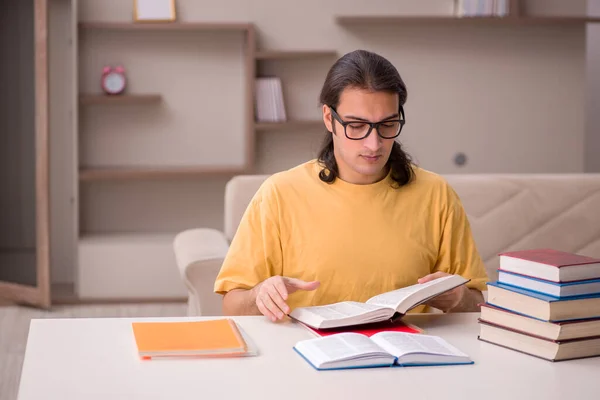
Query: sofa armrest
(199, 254)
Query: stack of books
(268, 102)
(482, 8)
(546, 303)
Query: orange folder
(217, 337)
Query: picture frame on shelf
(154, 11)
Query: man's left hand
(449, 300)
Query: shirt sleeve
(255, 251)
(458, 253)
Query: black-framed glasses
(357, 130)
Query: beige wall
(459, 78)
(592, 116)
(510, 97)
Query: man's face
(362, 161)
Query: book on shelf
(556, 289)
(384, 349)
(551, 265)
(562, 330)
(269, 104)
(387, 306)
(367, 329)
(541, 306)
(482, 8)
(208, 338)
(552, 350)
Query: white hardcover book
(384, 349)
(267, 98)
(482, 8)
(501, 8)
(268, 116)
(273, 100)
(258, 100)
(489, 8)
(385, 306)
(262, 100)
(281, 115)
(459, 8)
(470, 6)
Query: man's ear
(327, 118)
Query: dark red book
(551, 257)
(550, 264)
(538, 346)
(368, 329)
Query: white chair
(200, 252)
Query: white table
(96, 359)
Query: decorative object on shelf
(113, 80)
(154, 11)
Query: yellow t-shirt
(357, 240)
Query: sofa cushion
(520, 211)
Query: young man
(359, 221)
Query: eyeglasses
(357, 130)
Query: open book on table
(386, 306)
(384, 349)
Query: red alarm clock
(113, 80)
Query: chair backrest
(238, 194)
(506, 211)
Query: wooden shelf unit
(349, 21)
(133, 173)
(287, 125)
(88, 99)
(293, 54)
(126, 173)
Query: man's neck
(347, 174)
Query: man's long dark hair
(363, 70)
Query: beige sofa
(506, 212)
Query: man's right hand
(271, 295)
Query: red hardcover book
(368, 329)
(550, 264)
(551, 257)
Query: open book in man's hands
(382, 307)
(384, 349)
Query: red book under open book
(551, 265)
(368, 329)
